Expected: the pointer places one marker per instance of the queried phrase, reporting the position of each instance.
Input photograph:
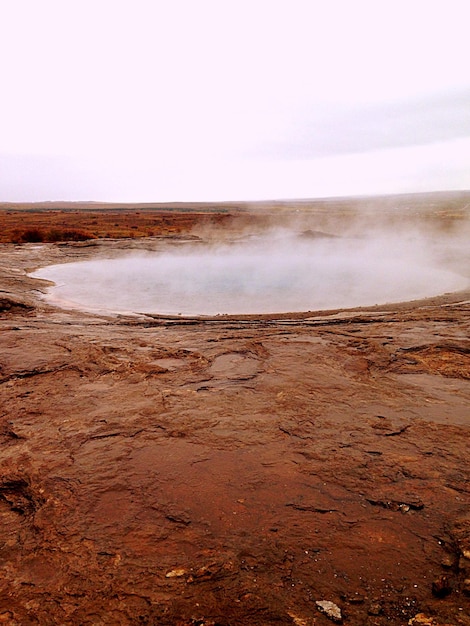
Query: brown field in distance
(77, 221)
(35, 225)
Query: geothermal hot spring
(276, 273)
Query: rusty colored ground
(231, 471)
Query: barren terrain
(232, 470)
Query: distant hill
(435, 199)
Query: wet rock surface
(231, 471)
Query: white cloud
(155, 90)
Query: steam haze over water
(113, 100)
(276, 272)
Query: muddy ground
(231, 471)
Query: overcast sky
(166, 100)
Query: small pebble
(330, 609)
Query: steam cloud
(273, 272)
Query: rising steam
(272, 272)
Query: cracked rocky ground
(231, 471)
